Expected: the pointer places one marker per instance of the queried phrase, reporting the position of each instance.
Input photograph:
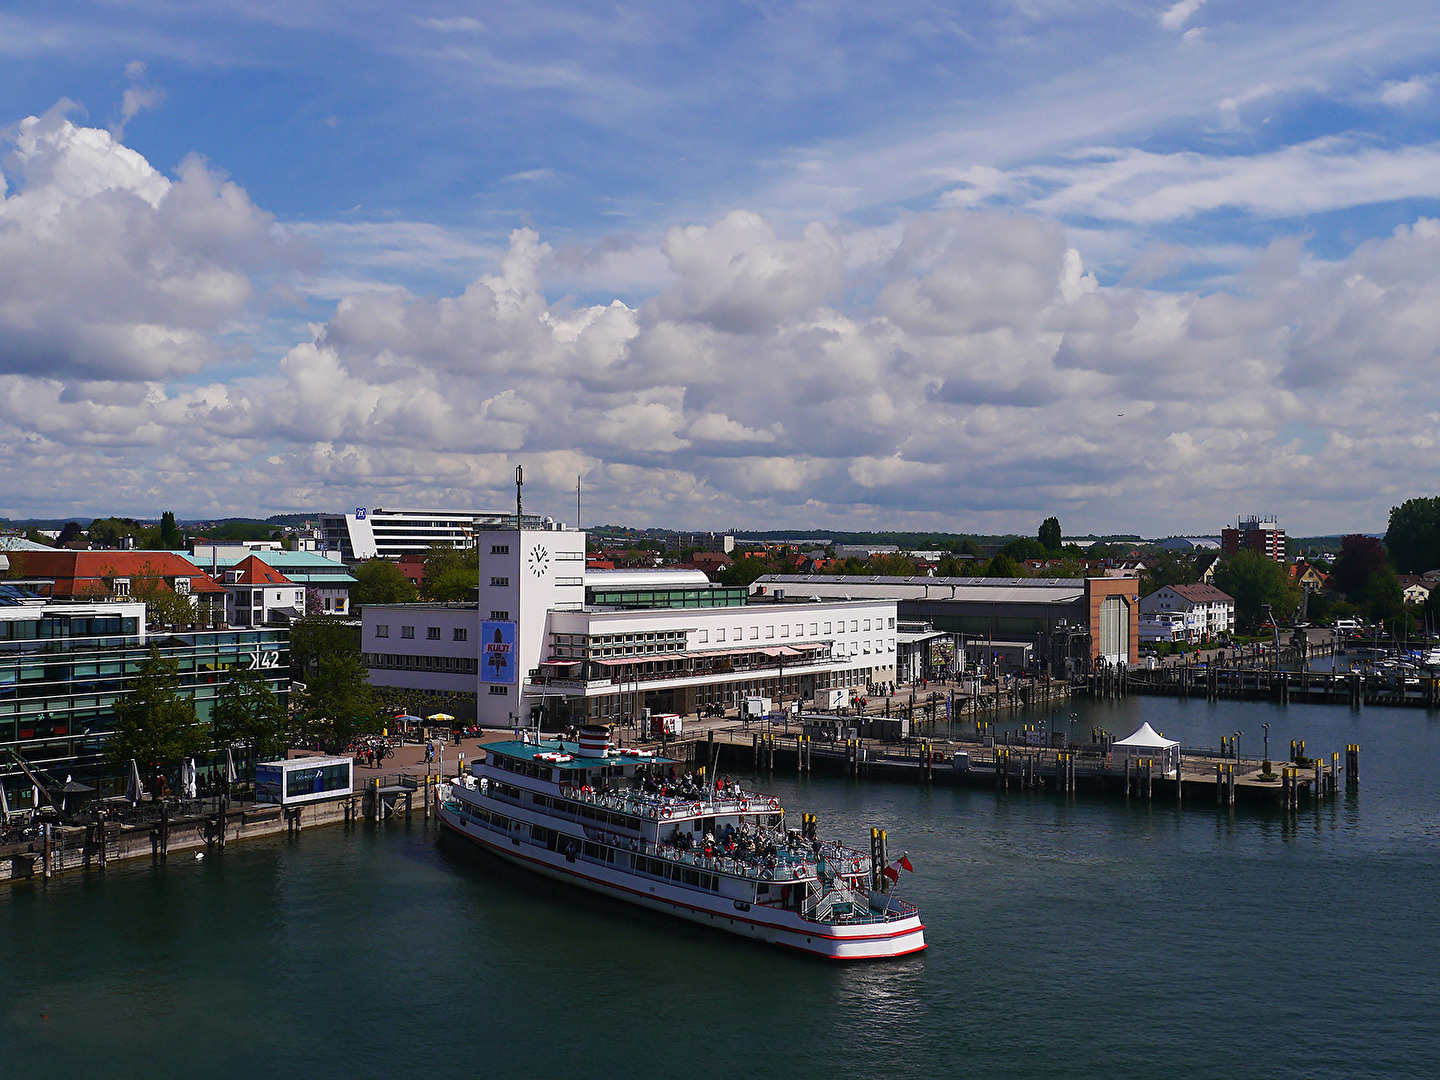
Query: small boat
(719, 855)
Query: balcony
(675, 669)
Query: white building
(1213, 611)
(257, 594)
(375, 532)
(532, 640)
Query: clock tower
(524, 575)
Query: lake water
(1081, 938)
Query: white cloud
(1177, 15)
(1409, 92)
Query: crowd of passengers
(690, 785)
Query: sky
(1145, 266)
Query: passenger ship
(615, 821)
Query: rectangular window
(500, 582)
(498, 690)
(460, 633)
(382, 630)
(407, 631)
(720, 634)
(867, 624)
(769, 631)
(704, 637)
(754, 633)
(813, 629)
(499, 549)
(892, 624)
(182, 585)
(499, 616)
(432, 633)
(827, 628)
(854, 626)
(121, 587)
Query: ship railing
(655, 805)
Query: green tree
(171, 538)
(1024, 548)
(1381, 598)
(1360, 558)
(1050, 538)
(247, 713)
(1003, 566)
(451, 574)
(312, 638)
(1413, 537)
(110, 532)
(69, 531)
(1255, 580)
(338, 704)
(1167, 568)
(379, 581)
(743, 571)
(163, 605)
(153, 722)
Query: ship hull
(758, 922)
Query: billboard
(497, 652)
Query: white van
(1346, 626)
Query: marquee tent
(1147, 743)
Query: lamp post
(1236, 745)
(1266, 726)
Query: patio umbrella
(135, 790)
(4, 806)
(441, 718)
(230, 776)
(189, 775)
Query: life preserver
(855, 864)
(774, 804)
(766, 875)
(665, 813)
(744, 804)
(696, 808)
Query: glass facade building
(64, 666)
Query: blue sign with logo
(497, 652)
(360, 513)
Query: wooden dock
(1204, 778)
(1352, 688)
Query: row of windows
(432, 633)
(499, 616)
(403, 662)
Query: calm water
(1089, 939)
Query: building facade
(65, 665)
(1260, 535)
(369, 533)
(1210, 613)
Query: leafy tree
(171, 538)
(1024, 548)
(247, 713)
(1381, 598)
(1255, 580)
(1050, 538)
(162, 603)
(109, 532)
(379, 581)
(949, 566)
(312, 638)
(1413, 537)
(153, 722)
(35, 536)
(1167, 568)
(451, 574)
(69, 531)
(895, 565)
(338, 704)
(1003, 566)
(743, 571)
(1360, 558)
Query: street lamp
(1236, 745)
(1266, 726)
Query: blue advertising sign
(359, 513)
(497, 652)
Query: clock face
(539, 560)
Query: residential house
(326, 580)
(1214, 610)
(1416, 588)
(120, 575)
(258, 595)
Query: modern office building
(1260, 535)
(374, 532)
(65, 664)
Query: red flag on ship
(893, 870)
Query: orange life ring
(774, 804)
(855, 864)
(696, 808)
(744, 804)
(665, 813)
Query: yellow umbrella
(441, 718)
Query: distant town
(133, 646)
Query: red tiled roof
(89, 574)
(253, 571)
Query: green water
(1078, 939)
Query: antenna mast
(519, 506)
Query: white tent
(1147, 743)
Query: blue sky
(1148, 266)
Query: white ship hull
(866, 940)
